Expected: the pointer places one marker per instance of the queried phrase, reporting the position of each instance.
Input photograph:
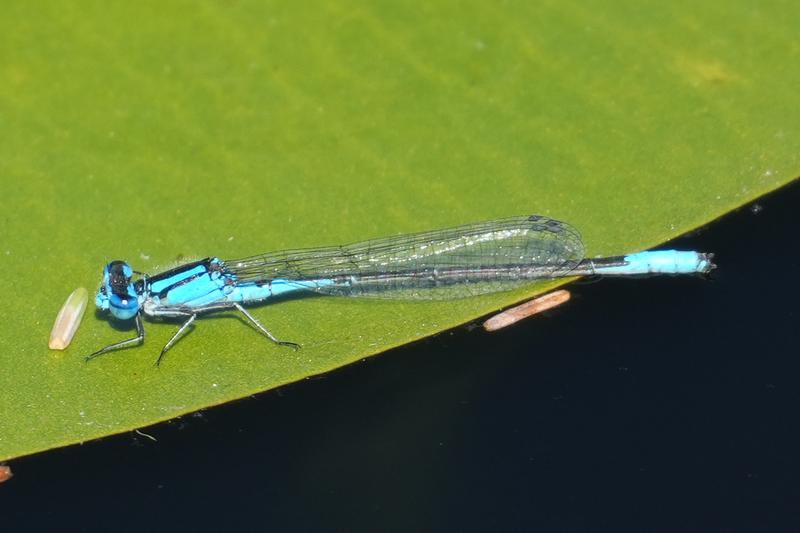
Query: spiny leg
(175, 338)
(138, 339)
(264, 330)
(192, 313)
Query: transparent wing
(451, 263)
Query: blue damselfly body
(458, 262)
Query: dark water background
(662, 404)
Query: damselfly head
(117, 293)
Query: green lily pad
(157, 133)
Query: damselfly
(468, 260)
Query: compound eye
(101, 299)
(119, 276)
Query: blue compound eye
(117, 293)
(101, 299)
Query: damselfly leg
(264, 330)
(191, 314)
(138, 339)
